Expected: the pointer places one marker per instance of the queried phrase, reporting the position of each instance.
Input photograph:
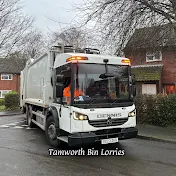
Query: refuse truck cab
(79, 97)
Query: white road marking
(24, 125)
(20, 121)
(18, 127)
(28, 128)
(14, 123)
(11, 124)
(4, 126)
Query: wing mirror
(134, 90)
(59, 90)
(60, 78)
(133, 79)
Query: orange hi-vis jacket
(67, 93)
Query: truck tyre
(51, 132)
(29, 116)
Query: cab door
(65, 117)
(63, 106)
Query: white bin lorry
(79, 96)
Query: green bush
(157, 110)
(166, 114)
(1, 101)
(12, 100)
(141, 109)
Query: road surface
(24, 152)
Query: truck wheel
(51, 132)
(29, 117)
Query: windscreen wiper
(106, 75)
(93, 101)
(114, 102)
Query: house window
(6, 76)
(153, 56)
(169, 89)
(3, 92)
(149, 89)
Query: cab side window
(65, 70)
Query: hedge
(1, 101)
(12, 100)
(157, 110)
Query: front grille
(108, 122)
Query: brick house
(152, 52)
(10, 70)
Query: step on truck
(79, 96)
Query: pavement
(147, 132)
(24, 151)
(10, 113)
(163, 134)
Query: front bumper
(87, 138)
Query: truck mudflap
(88, 138)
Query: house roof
(155, 36)
(11, 65)
(147, 72)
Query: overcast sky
(58, 10)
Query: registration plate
(109, 141)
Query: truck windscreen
(91, 88)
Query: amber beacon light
(76, 58)
(126, 61)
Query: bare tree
(13, 25)
(75, 37)
(16, 58)
(116, 20)
(33, 44)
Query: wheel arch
(52, 111)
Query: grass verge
(3, 108)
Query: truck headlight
(78, 116)
(132, 113)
